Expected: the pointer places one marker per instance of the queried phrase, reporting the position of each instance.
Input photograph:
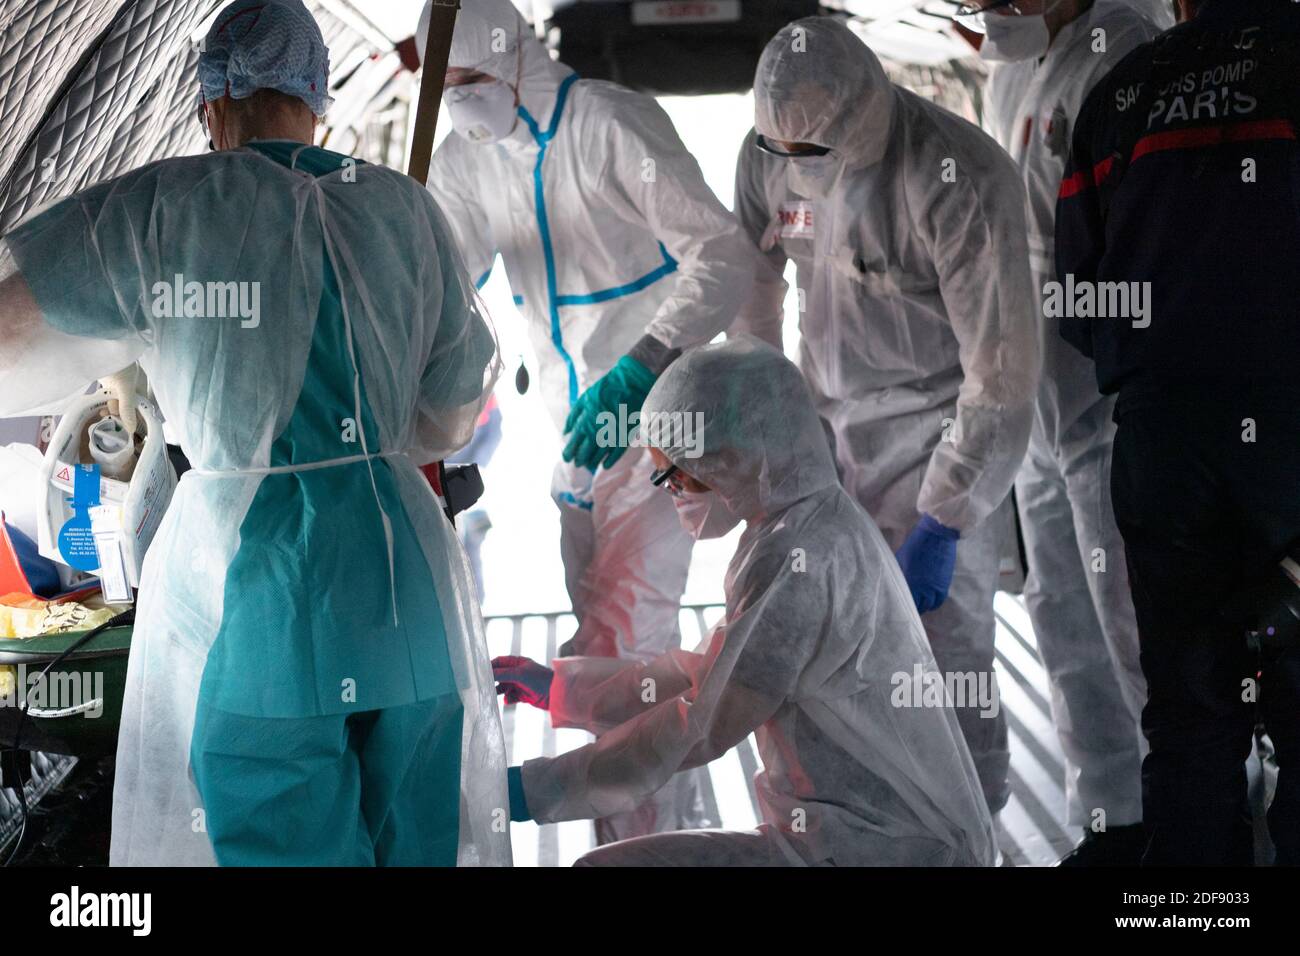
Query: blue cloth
(266, 44)
(626, 384)
(518, 805)
(41, 573)
(379, 788)
(928, 558)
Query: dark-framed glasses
(767, 146)
(663, 474)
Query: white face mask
(1011, 39)
(704, 514)
(813, 177)
(482, 112)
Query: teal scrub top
(307, 627)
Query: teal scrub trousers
(370, 788)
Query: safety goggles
(670, 479)
(971, 15)
(767, 146)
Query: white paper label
(106, 524)
(797, 219)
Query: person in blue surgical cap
(308, 682)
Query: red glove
(523, 679)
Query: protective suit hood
(818, 83)
(738, 416)
(491, 36)
(807, 658)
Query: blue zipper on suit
(554, 299)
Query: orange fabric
(12, 579)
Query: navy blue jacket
(1184, 172)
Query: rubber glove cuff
(928, 560)
(636, 368)
(653, 354)
(518, 805)
(934, 526)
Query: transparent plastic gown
(108, 277)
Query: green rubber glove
(627, 383)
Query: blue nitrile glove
(928, 558)
(627, 383)
(518, 805)
(523, 679)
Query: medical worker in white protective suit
(919, 340)
(820, 654)
(619, 256)
(308, 681)
(1048, 54)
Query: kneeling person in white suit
(820, 630)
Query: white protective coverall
(102, 276)
(918, 333)
(1077, 590)
(819, 654)
(608, 233)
